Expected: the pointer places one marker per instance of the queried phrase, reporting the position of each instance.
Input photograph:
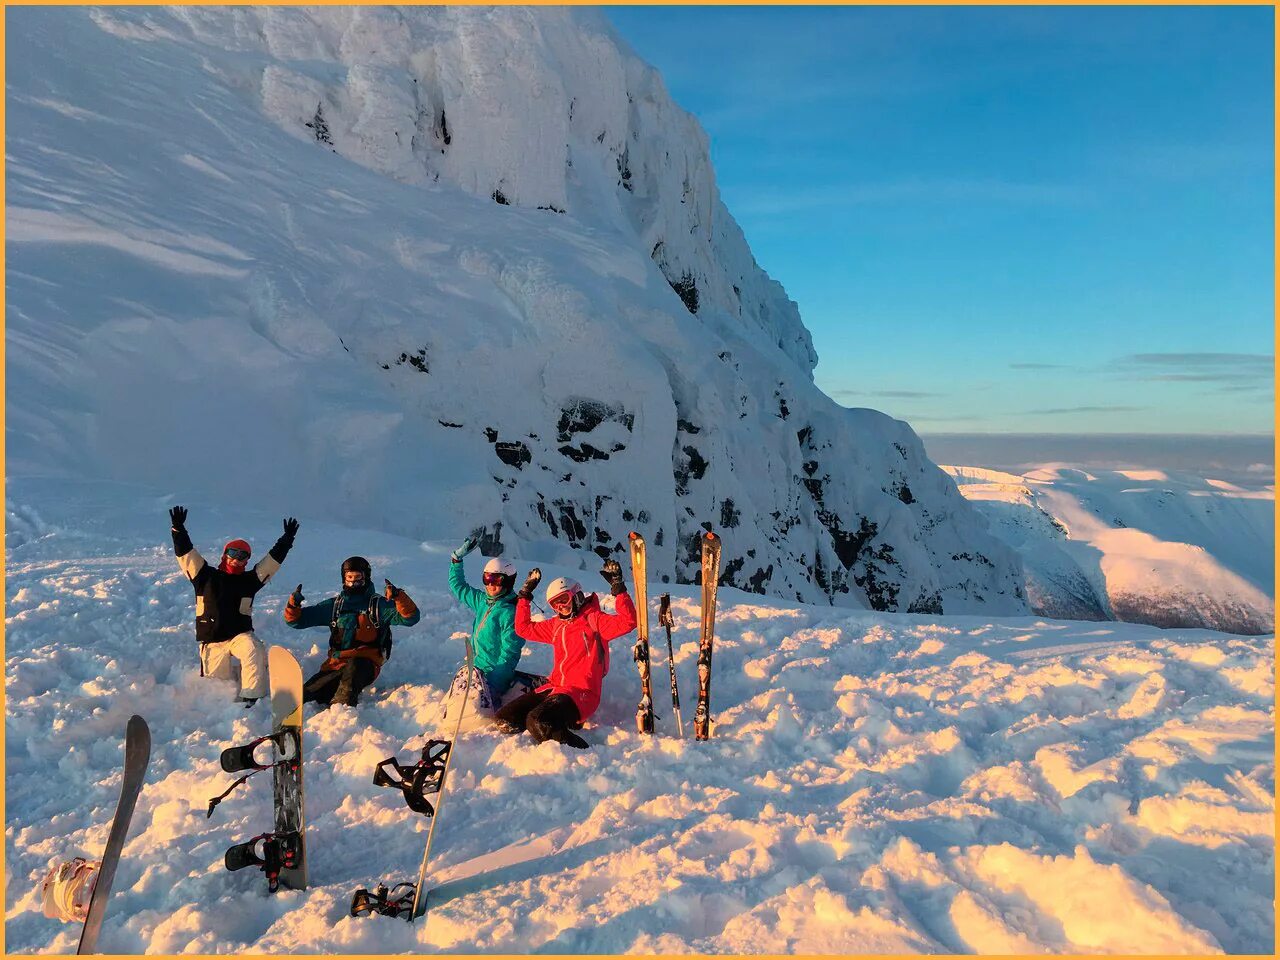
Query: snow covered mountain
(424, 269)
(1145, 546)
(875, 783)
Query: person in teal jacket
(495, 648)
(359, 622)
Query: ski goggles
(492, 579)
(235, 553)
(353, 578)
(561, 601)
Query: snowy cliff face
(429, 269)
(1143, 546)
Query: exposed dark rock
(513, 453)
(583, 415)
(417, 360)
(729, 515)
(931, 604)
(759, 581)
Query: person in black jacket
(224, 605)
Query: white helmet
(562, 585)
(499, 565)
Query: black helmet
(356, 565)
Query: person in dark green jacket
(495, 648)
(359, 622)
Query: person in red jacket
(579, 636)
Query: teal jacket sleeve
(316, 615)
(464, 592)
(399, 612)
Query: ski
(710, 578)
(644, 712)
(286, 722)
(420, 888)
(137, 754)
(666, 620)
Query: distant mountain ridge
(1144, 546)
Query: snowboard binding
(234, 759)
(419, 780)
(396, 902)
(269, 852)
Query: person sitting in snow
(495, 648)
(579, 636)
(359, 623)
(224, 604)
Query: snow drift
(426, 269)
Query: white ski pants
(216, 659)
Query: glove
(468, 545)
(290, 528)
(296, 598)
(391, 589)
(612, 573)
(530, 584)
(178, 517)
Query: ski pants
(546, 715)
(216, 661)
(342, 685)
(480, 698)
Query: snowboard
(710, 579)
(287, 792)
(644, 712)
(137, 754)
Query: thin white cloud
(942, 190)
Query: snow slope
(1145, 546)
(876, 783)
(431, 268)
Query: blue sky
(1030, 220)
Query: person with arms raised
(579, 635)
(224, 604)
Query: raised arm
(405, 612)
(300, 617)
(614, 625)
(268, 565)
(526, 629)
(458, 586)
(189, 558)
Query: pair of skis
(710, 579)
(280, 854)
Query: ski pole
(665, 619)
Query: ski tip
(710, 537)
(633, 536)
